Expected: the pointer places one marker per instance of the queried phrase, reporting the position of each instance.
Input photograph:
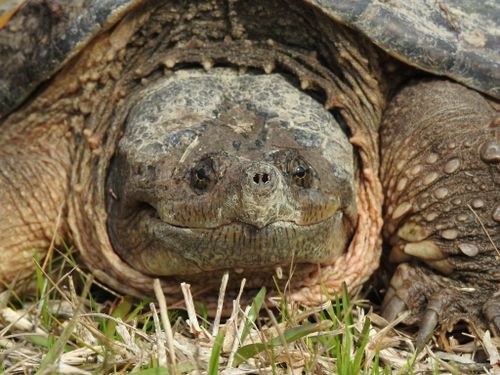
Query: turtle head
(218, 171)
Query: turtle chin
(193, 254)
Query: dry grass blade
(66, 335)
(162, 355)
(484, 229)
(165, 321)
(193, 319)
(51, 358)
(220, 303)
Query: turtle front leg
(34, 161)
(440, 172)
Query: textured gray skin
(243, 123)
(459, 39)
(455, 38)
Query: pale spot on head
(430, 178)
(449, 234)
(432, 158)
(468, 249)
(441, 193)
(452, 165)
(477, 203)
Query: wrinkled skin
(186, 174)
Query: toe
(427, 326)
(393, 308)
(491, 311)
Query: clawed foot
(437, 300)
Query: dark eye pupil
(299, 172)
(201, 174)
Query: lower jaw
(241, 249)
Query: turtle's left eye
(301, 173)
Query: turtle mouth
(190, 253)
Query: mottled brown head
(218, 171)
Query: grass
(66, 323)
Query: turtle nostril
(261, 178)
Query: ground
(69, 323)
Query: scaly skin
(440, 154)
(34, 166)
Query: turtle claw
(393, 307)
(434, 300)
(427, 326)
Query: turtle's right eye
(203, 175)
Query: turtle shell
(57, 30)
(459, 39)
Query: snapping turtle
(182, 140)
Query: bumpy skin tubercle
(440, 147)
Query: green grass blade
(121, 311)
(213, 364)
(153, 371)
(253, 313)
(58, 348)
(290, 335)
(362, 345)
